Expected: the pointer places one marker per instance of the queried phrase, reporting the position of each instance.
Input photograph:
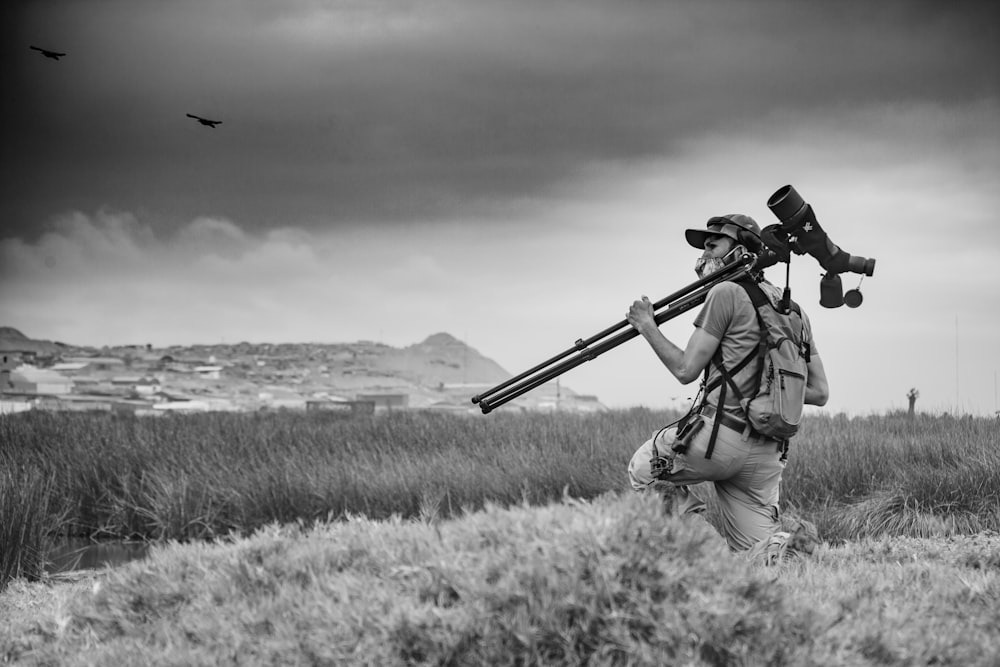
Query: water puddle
(82, 554)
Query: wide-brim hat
(725, 225)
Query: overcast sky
(511, 172)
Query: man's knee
(640, 473)
(653, 460)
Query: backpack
(774, 408)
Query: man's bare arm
(685, 365)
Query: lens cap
(853, 298)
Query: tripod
(610, 338)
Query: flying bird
(205, 121)
(48, 54)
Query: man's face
(717, 245)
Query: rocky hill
(12, 340)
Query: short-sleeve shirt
(730, 316)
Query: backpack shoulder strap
(754, 291)
(725, 378)
(760, 301)
(726, 375)
(759, 298)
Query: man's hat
(725, 225)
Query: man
(745, 467)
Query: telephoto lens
(787, 205)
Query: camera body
(800, 232)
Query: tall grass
(897, 475)
(26, 521)
(198, 477)
(203, 476)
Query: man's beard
(705, 266)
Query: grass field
(420, 538)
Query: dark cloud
(407, 111)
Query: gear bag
(774, 408)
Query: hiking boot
(800, 540)
(803, 538)
(769, 550)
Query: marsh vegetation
(415, 538)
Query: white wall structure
(31, 380)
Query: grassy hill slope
(608, 582)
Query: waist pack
(774, 407)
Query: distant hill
(441, 359)
(12, 340)
(438, 369)
(10, 333)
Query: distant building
(353, 408)
(208, 372)
(95, 364)
(146, 386)
(386, 401)
(12, 404)
(89, 384)
(76, 403)
(70, 367)
(17, 357)
(181, 406)
(31, 380)
(131, 406)
(588, 403)
(281, 399)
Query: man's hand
(640, 316)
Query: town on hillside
(441, 373)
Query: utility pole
(956, 367)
